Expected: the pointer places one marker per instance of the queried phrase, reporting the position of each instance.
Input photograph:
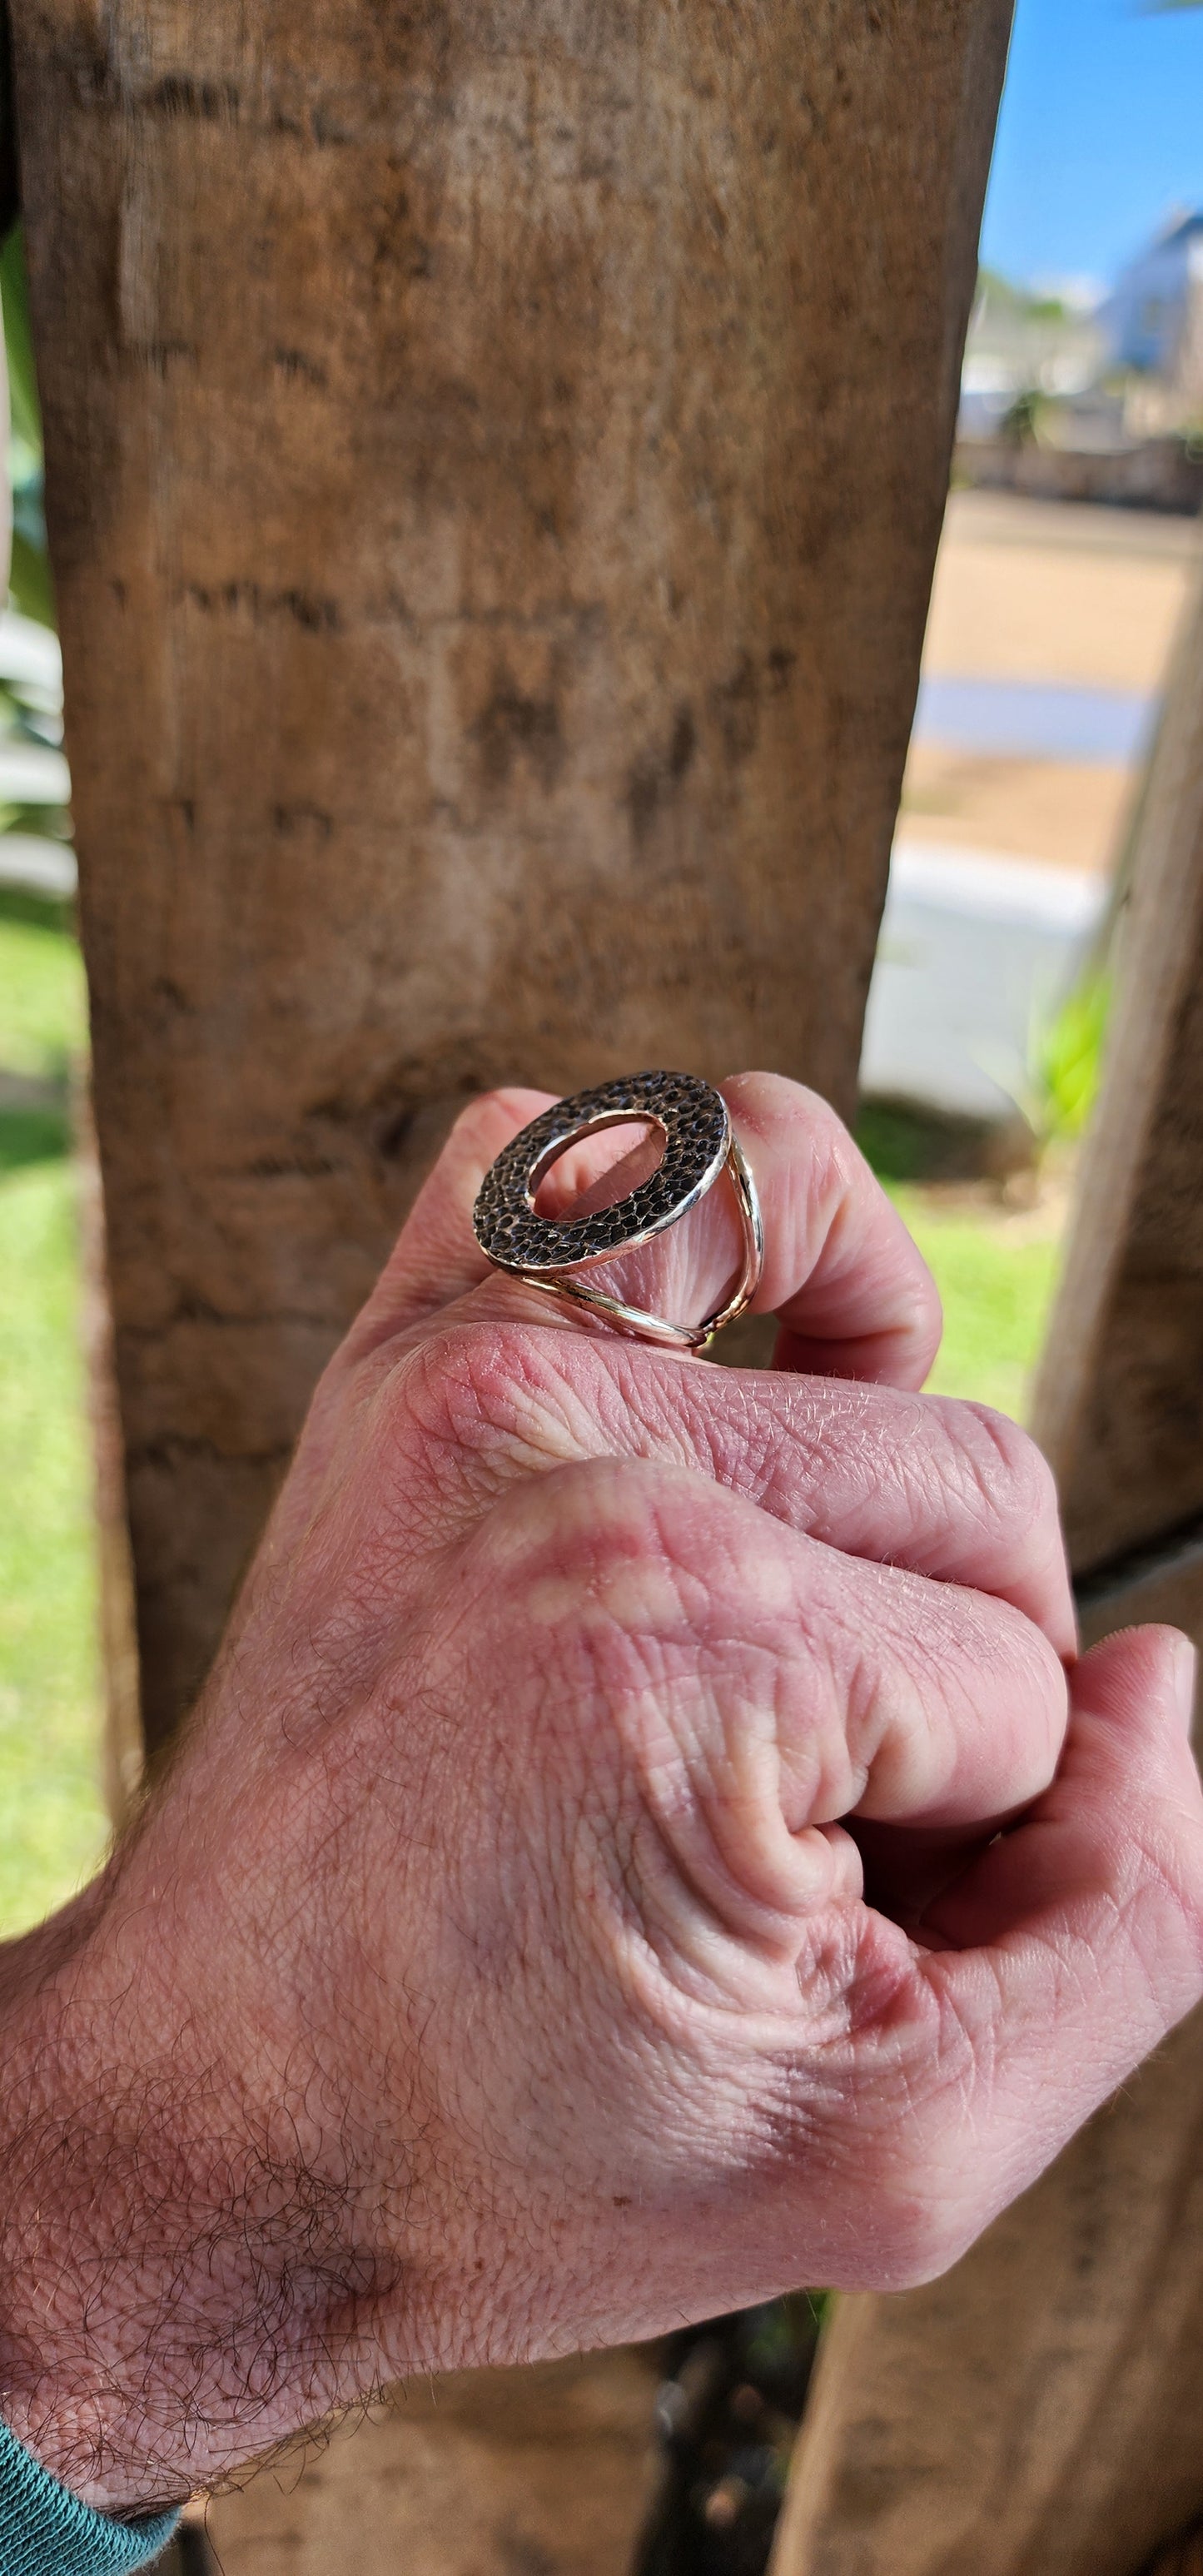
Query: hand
(493, 1973)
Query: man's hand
(639, 1850)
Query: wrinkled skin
(493, 1974)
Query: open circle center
(597, 1168)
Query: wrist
(160, 2300)
(71, 2245)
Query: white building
(1020, 343)
(1154, 318)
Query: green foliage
(33, 1132)
(29, 579)
(1021, 422)
(994, 1264)
(42, 911)
(30, 586)
(1068, 1060)
(24, 408)
(893, 1140)
(1000, 300)
(998, 289)
(904, 1142)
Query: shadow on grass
(34, 1131)
(38, 911)
(903, 1142)
(35, 1116)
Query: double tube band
(700, 1145)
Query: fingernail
(1186, 1666)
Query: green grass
(52, 1826)
(43, 1011)
(996, 1273)
(994, 1264)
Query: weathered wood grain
(1037, 2412)
(495, 460)
(123, 1760)
(1119, 1401)
(490, 2473)
(1184, 2557)
(1153, 1584)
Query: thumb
(851, 1290)
(1089, 1913)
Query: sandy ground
(1060, 591)
(1061, 811)
(1029, 590)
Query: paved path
(977, 949)
(1035, 719)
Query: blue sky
(1101, 132)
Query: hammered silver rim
(699, 1147)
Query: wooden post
(495, 457)
(1037, 2412)
(495, 460)
(540, 2472)
(1184, 2557)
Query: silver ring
(699, 1146)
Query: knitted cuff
(46, 2531)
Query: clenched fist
(647, 1843)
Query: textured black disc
(697, 1131)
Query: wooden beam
(1119, 1400)
(495, 460)
(1152, 1584)
(123, 1750)
(1036, 2413)
(1184, 2557)
(542, 2472)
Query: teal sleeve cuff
(46, 2531)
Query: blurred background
(1071, 547)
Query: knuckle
(629, 1513)
(484, 1386)
(922, 1309)
(618, 1550)
(486, 1109)
(488, 1122)
(1012, 1475)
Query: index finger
(854, 1296)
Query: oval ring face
(697, 1134)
